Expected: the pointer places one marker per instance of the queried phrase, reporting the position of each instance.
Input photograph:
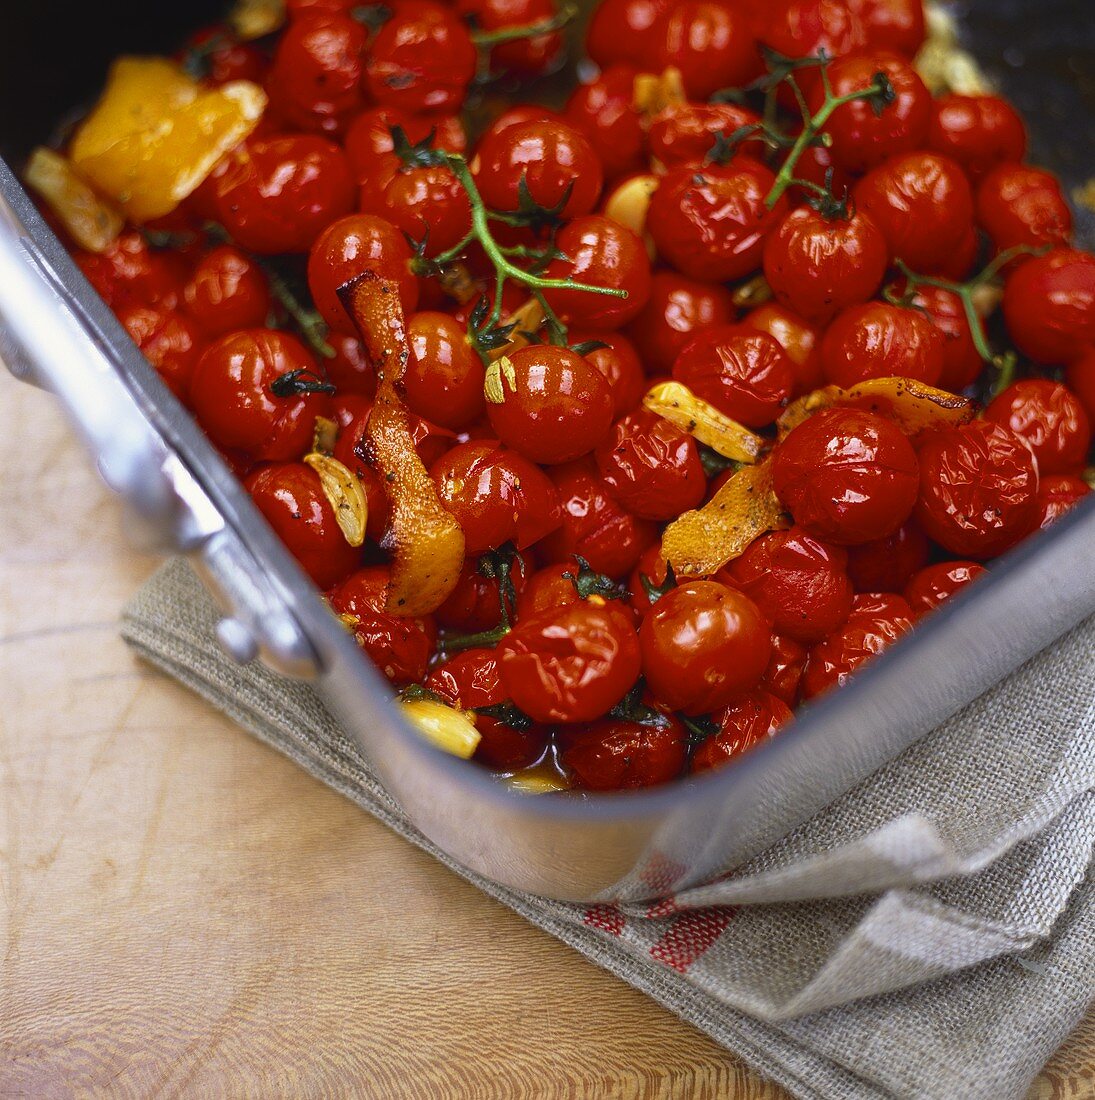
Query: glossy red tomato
(471, 680)
(923, 205)
(554, 405)
(880, 340)
(677, 309)
(962, 363)
(886, 564)
(614, 754)
(817, 266)
(220, 58)
(710, 42)
(1050, 419)
(684, 133)
(741, 726)
(802, 28)
(618, 363)
(652, 468)
(169, 340)
(350, 370)
(711, 222)
(847, 476)
(1080, 377)
(1020, 205)
(422, 59)
(864, 137)
(231, 395)
(571, 664)
(1049, 305)
(704, 645)
(784, 672)
(369, 141)
(475, 604)
(799, 583)
(741, 371)
(444, 378)
(400, 647)
(653, 566)
(349, 247)
(594, 527)
(978, 489)
(496, 495)
(315, 81)
(839, 657)
(549, 588)
(603, 110)
(599, 252)
(977, 131)
(798, 338)
(276, 194)
(291, 498)
(627, 32)
(1058, 494)
(933, 584)
(129, 273)
(226, 291)
(892, 24)
(880, 603)
(527, 56)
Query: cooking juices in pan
(615, 432)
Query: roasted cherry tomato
(839, 657)
(444, 378)
(527, 56)
(847, 476)
(784, 672)
(897, 25)
(496, 495)
(603, 110)
(880, 340)
(226, 291)
(704, 645)
(798, 338)
(291, 498)
(220, 58)
(129, 273)
(653, 567)
(978, 489)
(1020, 205)
(232, 395)
(710, 42)
(627, 32)
(370, 141)
(1080, 377)
(169, 340)
(1050, 419)
(615, 755)
(886, 564)
(802, 28)
(684, 133)
(977, 131)
(741, 726)
(475, 604)
(1049, 305)
(619, 364)
(933, 584)
(571, 664)
(962, 362)
(549, 588)
(1058, 494)
(400, 647)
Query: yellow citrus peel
(91, 221)
(681, 407)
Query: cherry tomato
(1080, 377)
(653, 566)
(276, 194)
(1021, 205)
(742, 726)
(977, 131)
(677, 309)
(711, 222)
(350, 370)
(444, 378)
(817, 266)
(865, 635)
(350, 413)
(231, 395)
(704, 644)
(781, 677)
(886, 564)
(741, 371)
(471, 680)
(798, 338)
(897, 25)
(570, 664)
(422, 59)
(1049, 418)
(802, 28)
(552, 587)
(129, 273)
(799, 583)
(599, 252)
(315, 81)
(475, 604)
(923, 205)
(684, 133)
(864, 137)
(1058, 494)
(349, 247)
(880, 603)
(848, 476)
(528, 56)
(710, 42)
(594, 527)
(615, 755)
(369, 140)
(290, 497)
(400, 647)
(1049, 305)
(652, 468)
(978, 489)
(933, 584)
(962, 363)
(227, 291)
(627, 32)
(880, 340)
(169, 340)
(496, 495)
(619, 363)
(603, 110)
(220, 58)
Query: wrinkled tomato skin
(231, 397)
(742, 726)
(800, 28)
(475, 604)
(677, 309)
(710, 43)
(652, 468)
(711, 222)
(784, 672)
(962, 363)
(603, 111)
(704, 644)
(743, 372)
(496, 495)
(1049, 305)
(1021, 205)
(226, 292)
(977, 131)
(400, 647)
(817, 266)
(619, 364)
(839, 657)
(571, 664)
(1050, 419)
(1058, 494)
(443, 382)
(886, 564)
(799, 583)
(933, 584)
(169, 340)
(617, 755)
(470, 680)
(880, 340)
(798, 338)
(684, 133)
(848, 476)
(129, 273)
(290, 497)
(978, 489)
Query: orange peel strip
(681, 407)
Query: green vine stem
(564, 16)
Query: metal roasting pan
(56, 333)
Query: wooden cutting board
(187, 913)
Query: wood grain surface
(186, 913)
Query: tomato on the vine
(1018, 205)
(710, 42)
(527, 56)
(1049, 305)
(684, 133)
(977, 131)
(444, 377)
